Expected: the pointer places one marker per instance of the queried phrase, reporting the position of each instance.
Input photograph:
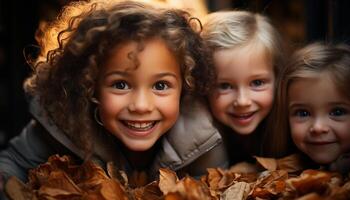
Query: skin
(244, 93)
(319, 117)
(139, 105)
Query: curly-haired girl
(112, 89)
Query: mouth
(320, 142)
(242, 116)
(139, 125)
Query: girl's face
(319, 118)
(138, 105)
(244, 93)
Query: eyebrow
(292, 105)
(123, 73)
(160, 75)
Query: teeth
(139, 125)
(243, 115)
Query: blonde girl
(248, 55)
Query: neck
(140, 160)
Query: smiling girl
(247, 55)
(314, 104)
(112, 90)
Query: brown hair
(310, 60)
(65, 79)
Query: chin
(243, 132)
(323, 160)
(140, 146)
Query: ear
(94, 100)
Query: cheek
(298, 132)
(267, 99)
(169, 108)
(343, 134)
(110, 106)
(217, 103)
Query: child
(247, 54)
(314, 95)
(111, 91)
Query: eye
(224, 86)
(161, 85)
(301, 113)
(257, 83)
(121, 85)
(337, 112)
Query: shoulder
(192, 137)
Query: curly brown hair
(65, 80)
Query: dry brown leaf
(167, 180)
(244, 168)
(268, 163)
(17, 190)
(61, 179)
(310, 181)
(112, 190)
(195, 190)
(341, 193)
(219, 179)
(60, 185)
(238, 191)
(148, 192)
(311, 196)
(270, 184)
(90, 175)
(213, 178)
(291, 163)
(174, 196)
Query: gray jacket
(191, 146)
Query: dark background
(298, 21)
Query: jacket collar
(192, 136)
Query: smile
(139, 126)
(243, 115)
(320, 142)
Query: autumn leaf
(238, 191)
(17, 190)
(310, 181)
(58, 184)
(291, 163)
(268, 163)
(167, 180)
(149, 192)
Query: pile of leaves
(60, 178)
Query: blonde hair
(232, 29)
(305, 63)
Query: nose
(242, 98)
(319, 126)
(141, 102)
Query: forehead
(151, 54)
(316, 88)
(251, 58)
